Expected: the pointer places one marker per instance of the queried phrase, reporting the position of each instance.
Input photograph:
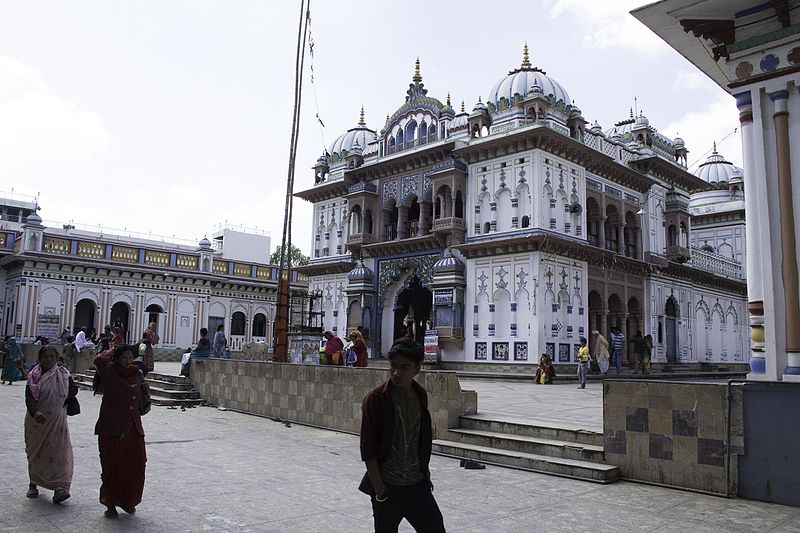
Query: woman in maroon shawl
(359, 348)
(333, 348)
(150, 338)
(119, 430)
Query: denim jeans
(618, 360)
(582, 373)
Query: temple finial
(631, 112)
(417, 75)
(462, 107)
(448, 99)
(715, 147)
(361, 121)
(526, 61)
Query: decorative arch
(259, 328)
(158, 300)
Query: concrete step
(532, 445)
(586, 470)
(156, 392)
(177, 402)
(167, 385)
(523, 428)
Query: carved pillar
(425, 217)
(639, 247)
(402, 219)
(788, 238)
(621, 238)
(602, 231)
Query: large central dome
(520, 81)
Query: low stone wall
(174, 355)
(80, 363)
(673, 433)
(323, 396)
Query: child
(583, 360)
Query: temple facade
(516, 228)
(52, 278)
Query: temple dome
(204, 243)
(717, 170)
(448, 264)
(359, 273)
(521, 80)
(345, 143)
(33, 219)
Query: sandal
(129, 510)
(60, 495)
(33, 492)
(111, 512)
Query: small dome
(361, 135)
(525, 80)
(575, 111)
(448, 264)
(33, 219)
(596, 128)
(641, 121)
(461, 121)
(614, 135)
(480, 107)
(678, 143)
(204, 243)
(359, 273)
(717, 170)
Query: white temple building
(517, 228)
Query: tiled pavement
(221, 471)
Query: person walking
(617, 343)
(396, 442)
(220, 344)
(601, 353)
(647, 352)
(638, 352)
(13, 366)
(47, 442)
(583, 362)
(150, 339)
(120, 435)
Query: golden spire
(361, 121)
(417, 75)
(462, 107)
(526, 61)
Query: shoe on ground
(129, 510)
(462, 463)
(474, 465)
(60, 495)
(582, 387)
(33, 492)
(111, 512)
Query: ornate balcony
(449, 224)
(679, 254)
(713, 262)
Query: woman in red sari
(119, 430)
(150, 338)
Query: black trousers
(415, 503)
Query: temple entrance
(120, 315)
(670, 319)
(84, 316)
(412, 311)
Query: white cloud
(608, 24)
(700, 129)
(36, 124)
(692, 80)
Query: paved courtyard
(220, 471)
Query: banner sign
(431, 347)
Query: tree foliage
(298, 258)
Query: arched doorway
(671, 327)
(259, 325)
(412, 310)
(120, 317)
(85, 312)
(152, 313)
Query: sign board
(431, 347)
(48, 326)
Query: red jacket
(121, 398)
(377, 429)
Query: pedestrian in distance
(334, 350)
(638, 352)
(150, 339)
(119, 430)
(396, 442)
(47, 442)
(617, 343)
(356, 350)
(13, 362)
(545, 372)
(219, 346)
(601, 353)
(583, 362)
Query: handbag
(351, 357)
(145, 403)
(142, 349)
(336, 357)
(73, 406)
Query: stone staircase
(560, 451)
(165, 389)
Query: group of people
(337, 353)
(604, 352)
(51, 395)
(206, 348)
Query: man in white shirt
(81, 342)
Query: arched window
(153, 312)
(459, 208)
(259, 325)
(368, 222)
(487, 227)
(593, 221)
(237, 323)
(411, 132)
(400, 139)
(423, 132)
(391, 145)
(526, 221)
(672, 235)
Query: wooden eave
(326, 190)
(426, 243)
(544, 138)
(672, 174)
(322, 269)
(402, 162)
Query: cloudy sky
(169, 117)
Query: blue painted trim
(758, 365)
(743, 99)
(173, 259)
(779, 95)
(109, 249)
(792, 371)
(141, 255)
(73, 248)
(752, 10)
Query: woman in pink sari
(47, 442)
(150, 338)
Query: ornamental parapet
(714, 262)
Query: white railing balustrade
(714, 262)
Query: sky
(170, 117)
